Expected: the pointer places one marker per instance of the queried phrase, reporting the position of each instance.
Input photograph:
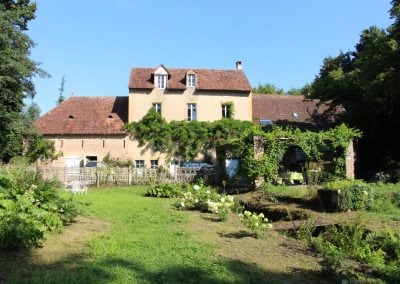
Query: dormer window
(161, 77)
(191, 80)
(161, 81)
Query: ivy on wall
(187, 139)
(328, 145)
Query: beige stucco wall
(89, 145)
(119, 146)
(174, 104)
(141, 153)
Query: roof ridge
(187, 68)
(281, 96)
(90, 97)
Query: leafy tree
(25, 139)
(303, 91)
(366, 82)
(294, 92)
(268, 89)
(273, 90)
(16, 71)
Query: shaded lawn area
(128, 238)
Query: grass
(136, 239)
(146, 244)
(287, 191)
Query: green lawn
(146, 242)
(124, 237)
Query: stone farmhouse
(86, 129)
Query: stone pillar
(350, 161)
(258, 154)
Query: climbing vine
(317, 146)
(188, 139)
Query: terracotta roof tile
(86, 115)
(207, 79)
(291, 110)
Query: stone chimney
(238, 65)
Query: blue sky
(95, 43)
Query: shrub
(350, 248)
(198, 196)
(352, 194)
(257, 223)
(223, 207)
(165, 190)
(206, 198)
(30, 207)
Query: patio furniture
(77, 187)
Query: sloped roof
(86, 115)
(286, 110)
(207, 79)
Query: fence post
(65, 175)
(129, 175)
(97, 177)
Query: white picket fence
(124, 175)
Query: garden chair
(78, 187)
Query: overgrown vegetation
(351, 194)
(351, 252)
(234, 138)
(360, 245)
(30, 207)
(386, 199)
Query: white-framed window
(154, 164)
(191, 112)
(226, 110)
(139, 164)
(191, 80)
(161, 81)
(157, 107)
